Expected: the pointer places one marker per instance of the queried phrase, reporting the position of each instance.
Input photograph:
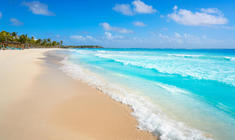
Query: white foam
(208, 69)
(185, 55)
(230, 58)
(152, 121)
(172, 89)
(102, 51)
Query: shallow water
(176, 94)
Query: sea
(176, 94)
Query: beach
(117, 70)
(174, 94)
(38, 101)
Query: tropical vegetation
(13, 40)
(82, 46)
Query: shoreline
(55, 106)
(150, 117)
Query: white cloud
(77, 37)
(89, 37)
(139, 23)
(175, 7)
(136, 7)
(205, 17)
(38, 8)
(177, 35)
(211, 11)
(171, 39)
(141, 7)
(125, 9)
(0, 14)
(110, 36)
(107, 27)
(81, 38)
(183, 38)
(163, 36)
(16, 22)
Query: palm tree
(49, 42)
(23, 39)
(14, 36)
(32, 41)
(39, 42)
(13, 39)
(7, 37)
(61, 43)
(54, 43)
(57, 44)
(44, 42)
(2, 37)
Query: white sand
(39, 102)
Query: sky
(192, 24)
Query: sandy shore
(39, 102)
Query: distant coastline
(11, 40)
(82, 46)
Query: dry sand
(39, 102)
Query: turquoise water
(176, 94)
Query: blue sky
(125, 23)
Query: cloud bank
(136, 7)
(204, 17)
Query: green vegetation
(13, 40)
(83, 46)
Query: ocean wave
(102, 51)
(153, 121)
(186, 55)
(208, 69)
(230, 58)
(172, 89)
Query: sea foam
(148, 116)
(195, 66)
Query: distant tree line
(8, 39)
(13, 40)
(83, 46)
